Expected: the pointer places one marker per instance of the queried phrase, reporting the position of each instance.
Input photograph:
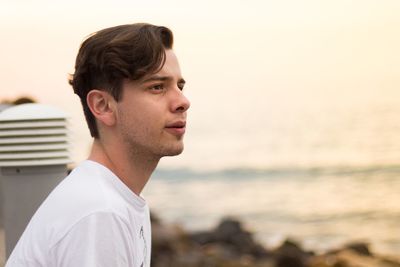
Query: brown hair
(111, 55)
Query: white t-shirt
(90, 219)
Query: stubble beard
(173, 147)
(152, 150)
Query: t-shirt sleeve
(99, 239)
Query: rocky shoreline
(230, 245)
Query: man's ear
(102, 106)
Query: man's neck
(133, 172)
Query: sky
(233, 54)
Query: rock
(290, 254)
(351, 258)
(168, 243)
(230, 245)
(231, 235)
(154, 219)
(203, 237)
(227, 228)
(189, 258)
(230, 232)
(360, 248)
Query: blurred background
(294, 126)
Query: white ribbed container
(32, 135)
(34, 153)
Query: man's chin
(173, 151)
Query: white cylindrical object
(33, 160)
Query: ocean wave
(281, 172)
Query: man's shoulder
(83, 191)
(83, 185)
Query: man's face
(151, 116)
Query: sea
(323, 172)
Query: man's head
(130, 85)
(111, 55)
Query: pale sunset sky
(232, 53)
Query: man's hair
(108, 57)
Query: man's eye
(181, 86)
(157, 87)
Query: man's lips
(176, 128)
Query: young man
(130, 85)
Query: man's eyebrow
(161, 78)
(156, 78)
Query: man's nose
(180, 103)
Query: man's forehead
(170, 70)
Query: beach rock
(231, 232)
(230, 245)
(351, 258)
(348, 257)
(203, 237)
(231, 235)
(154, 219)
(290, 254)
(360, 248)
(170, 243)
